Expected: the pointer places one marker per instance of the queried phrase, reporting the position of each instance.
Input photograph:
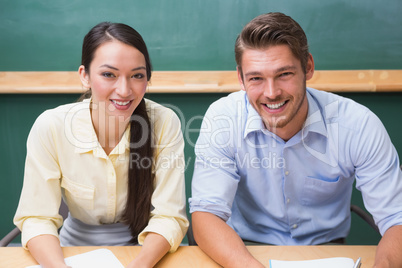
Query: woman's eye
(138, 76)
(108, 75)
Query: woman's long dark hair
(140, 178)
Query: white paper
(318, 263)
(99, 258)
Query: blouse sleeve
(168, 215)
(38, 209)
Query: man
(276, 161)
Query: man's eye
(108, 75)
(255, 78)
(285, 74)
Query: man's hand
(220, 242)
(389, 250)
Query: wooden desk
(192, 256)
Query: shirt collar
(81, 133)
(314, 122)
(254, 121)
(124, 143)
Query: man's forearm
(389, 250)
(221, 242)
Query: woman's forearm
(154, 248)
(46, 250)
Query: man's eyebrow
(114, 68)
(253, 73)
(279, 70)
(285, 68)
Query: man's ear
(240, 77)
(84, 77)
(309, 67)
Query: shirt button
(294, 226)
(288, 201)
(287, 173)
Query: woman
(113, 158)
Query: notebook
(339, 262)
(99, 258)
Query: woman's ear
(84, 77)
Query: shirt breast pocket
(319, 191)
(77, 194)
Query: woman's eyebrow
(139, 68)
(109, 66)
(114, 68)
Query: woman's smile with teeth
(121, 102)
(276, 105)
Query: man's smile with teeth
(276, 105)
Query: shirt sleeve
(38, 209)
(168, 215)
(216, 177)
(378, 174)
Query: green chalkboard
(46, 35)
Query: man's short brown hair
(273, 29)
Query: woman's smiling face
(118, 80)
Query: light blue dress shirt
(296, 192)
